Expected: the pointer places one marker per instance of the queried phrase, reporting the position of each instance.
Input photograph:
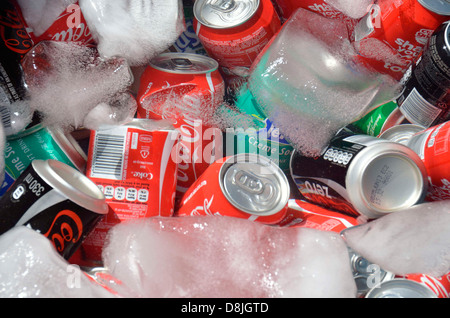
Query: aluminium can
(56, 200)
(361, 175)
(433, 146)
(400, 288)
(401, 28)
(40, 142)
(440, 286)
(401, 133)
(425, 99)
(246, 186)
(234, 32)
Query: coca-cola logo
(67, 227)
(13, 32)
(142, 175)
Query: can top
(72, 184)
(401, 133)
(222, 14)
(184, 63)
(254, 184)
(373, 183)
(400, 288)
(441, 7)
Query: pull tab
(181, 63)
(248, 182)
(223, 5)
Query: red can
(433, 147)
(186, 89)
(234, 32)
(391, 37)
(439, 285)
(135, 167)
(304, 214)
(246, 186)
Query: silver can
(361, 175)
(401, 133)
(400, 288)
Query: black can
(55, 200)
(361, 175)
(425, 99)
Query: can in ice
(233, 32)
(440, 286)
(261, 137)
(401, 133)
(380, 119)
(246, 186)
(400, 27)
(433, 147)
(425, 99)
(361, 175)
(400, 288)
(56, 200)
(185, 89)
(40, 142)
(305, 214)
(135, 167)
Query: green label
(373, 122)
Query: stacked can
(55, 200)
(233, 32)
(400, 27)
(425, 99)
(358, 175)
(185, 89)
(135, 167)
(40, 142)
(246, 186)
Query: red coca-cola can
(235, 32)
(391, 37)
(69, 26)
(305, 214)
(438, 285)
(185, 89)
(246, 186)
(135, 167)
(433, 147)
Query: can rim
(72, 184)
(258, 159)
(210, 63)
(198, 8)
(401, 133)
(405, 284)
(441, 7)
(356, 175)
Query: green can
(380, 119)
(252, 132)
(40, 142)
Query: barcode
(108, 156)
(418, 110)
(6, 116)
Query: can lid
(254, 184)
(373, 183)
(222, 14)
(400, 288)
(72, 184)
(441, 7)
(401, 133)
(184, 63)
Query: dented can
(56, 200)
(246, 186)
(135, 167)
(234, 32)
(359, 175)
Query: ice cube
(351, 8)
(134, 29)
(414, 240)
(30, 267)
(218, 256)
(309, 84)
